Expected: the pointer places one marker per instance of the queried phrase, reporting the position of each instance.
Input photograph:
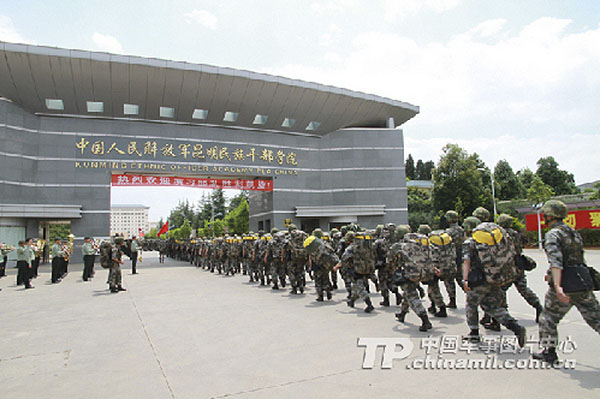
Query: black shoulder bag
(576, 277)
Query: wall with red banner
(147, 180)
(588, 219)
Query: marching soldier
(114, 275)
(564, 249)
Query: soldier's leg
(385, 293)
(492, 304)
(474, 297)
(433, 290)
(588, 306)
(274, 275)
(318, 274)
(451, 290)
(334, 279)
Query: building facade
(70, 120)
(129, 220)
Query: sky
(513, 80)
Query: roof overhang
(43, 211)
(105, 83)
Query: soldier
(296, 258)
(480, 292)
(274, 255)
(259, 251)
(57, 259)
(114, 274)
(385, 273)
(360, 258)
(89, 255)
(413, 265)
(336, 236)
(564, 249)
(443, 257)
(322, 258)
(135, 246)
(458, 236)
(24, 257)
(4, 251)
(520, 282)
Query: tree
(419, 170)
(183, 211)
(218, 201)
(456, 181)
(561, 181)
(525, 177)
(238, 220)
(409, 168)
(539, 191)
(507, 184)
(237, 200)
(419, 207)
(596, 190)
(427, 170)
(60, 231)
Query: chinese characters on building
(145, 180)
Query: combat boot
(385, 302)
(121, 288)
(452, 303)
(349, 293)
(400, 316)
(538, 312)
(320, 297)
(519, 332)
(275, 287)
(432, 308)
(350, 302)
(548, 355)
(294, 291)
(329, 295)
(473, 336)
(486, 319)
(370, 306)
(441, 312)
(114, 290)
(426, 324)
(398, 298)
(301, 290)
(262, 281)
(492, 325)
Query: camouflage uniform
(258, 253)
(361, 261)
(114, 274)
(274, 255)
(488, 296)
(345, 271)
(297, 258)
(322, 261)
(458, 236)
(564, 246)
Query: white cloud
(489, 28)
(394, 9)
(334, 6)
(106, 43)
(202, 17)
(8, 31)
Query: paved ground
(182, 332)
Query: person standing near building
(24, 256)
(564, 249)
(4, 251)
(89, 255)
(57, 260)
(114, 274)
(135, 245)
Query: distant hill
(587, 185)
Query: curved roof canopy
(55, 81)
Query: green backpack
(363, 256)
(443, 253)
(418, 265)
(496, 252)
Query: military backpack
(363, 256)
(418, 265)
(443, 253)
(106, 255)
(496, 252)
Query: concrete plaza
(181, 332)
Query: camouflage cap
(555, 208)
(470, 223)
(378, 229)
(424, 229)
(292, 227)
(119, 240)
(482, 214)
(451, 216)
(349, 236)
(317, 233)
(344, 230)
(391, 227)
(400, 232)
(505, 220)
(274, 231)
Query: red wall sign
(146, 180)
(588, 219)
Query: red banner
(146, 180)
(588, 219)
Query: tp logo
(389, 351)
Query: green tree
(218, 201)
(426, 170)
(507, 184)
(525, 177)
(596, 189)
(238, 220)
(185, 230)
(59, 230)
(539, 191)
(419, 170)
(182, 212)
(409, 168)
(456, 181)
(419, 207)
(561, 181)
(237, 200)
